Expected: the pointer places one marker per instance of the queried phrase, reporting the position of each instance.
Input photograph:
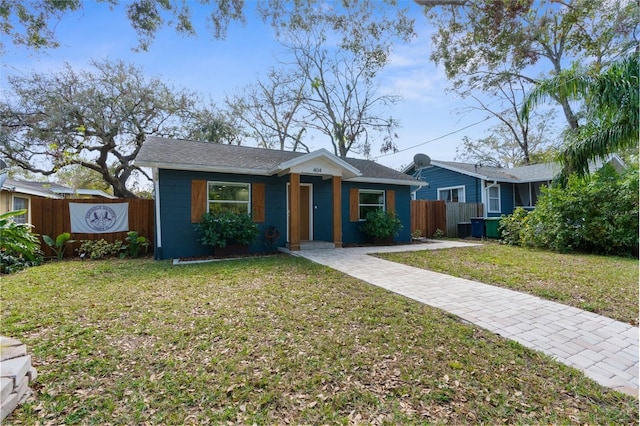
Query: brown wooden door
(305, 212)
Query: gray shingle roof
(51, 187)
(181, 154)
(532, 173)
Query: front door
(306, 212)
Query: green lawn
(601, 284)
(271, 340)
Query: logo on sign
(100, 218)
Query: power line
(434, 139)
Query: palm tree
(611, 111)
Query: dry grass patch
(271, 341)
(605, 285)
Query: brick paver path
(604, 349)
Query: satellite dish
(421, 160)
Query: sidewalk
(604, 349)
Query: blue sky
(214, 68)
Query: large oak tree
(487, 45)
(96, 118)
(32, 23)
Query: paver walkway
(604, 349)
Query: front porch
(325, 165)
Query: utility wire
(434, 139)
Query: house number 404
(317, 169)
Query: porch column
(337, 211)
(294, 212)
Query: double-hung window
(228, 196)
(370, 200)
(493, 199)
(20, 203)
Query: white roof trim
(468, 173)
(29, 191)
(455, 169)
(347, 168)
(203, 168)
(82, 191)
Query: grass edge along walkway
(604, 349)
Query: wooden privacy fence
(51, 217)
(427, 216)
(461, 212)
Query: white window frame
(532, 193)
(382, 206)
(23, 218)
(215, 182)
(462, 199)
(489, 198)
(515, 191)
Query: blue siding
(506, 200)
(179, 238)
(322, 207)
(438, 177)
(350, 232)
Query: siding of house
(438, 177)
(350, 232)
(506, 200)
(179, 238)
(6, 202)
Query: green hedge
(594, 215)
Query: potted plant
(381, 226)
(229, 233)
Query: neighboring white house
(17, 195)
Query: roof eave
(348, 171)
(387, 181)
(28, 191)
(203, 168)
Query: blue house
(313, 196)
(500, 190)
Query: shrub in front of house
(512, 227)
(99, 249)
(227, 228)
(19, 247)
(380, 224)
(598, 214)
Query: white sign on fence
(99, 218)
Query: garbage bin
(491, 225)
(464, 229)
(477, 227)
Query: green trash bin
(491, 225)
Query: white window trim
(531, 192)
(448, 188)
(217, 182)
(28, 208)
(487, 189)
(372, 191)
(515, 189)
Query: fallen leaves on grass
(272, 341)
